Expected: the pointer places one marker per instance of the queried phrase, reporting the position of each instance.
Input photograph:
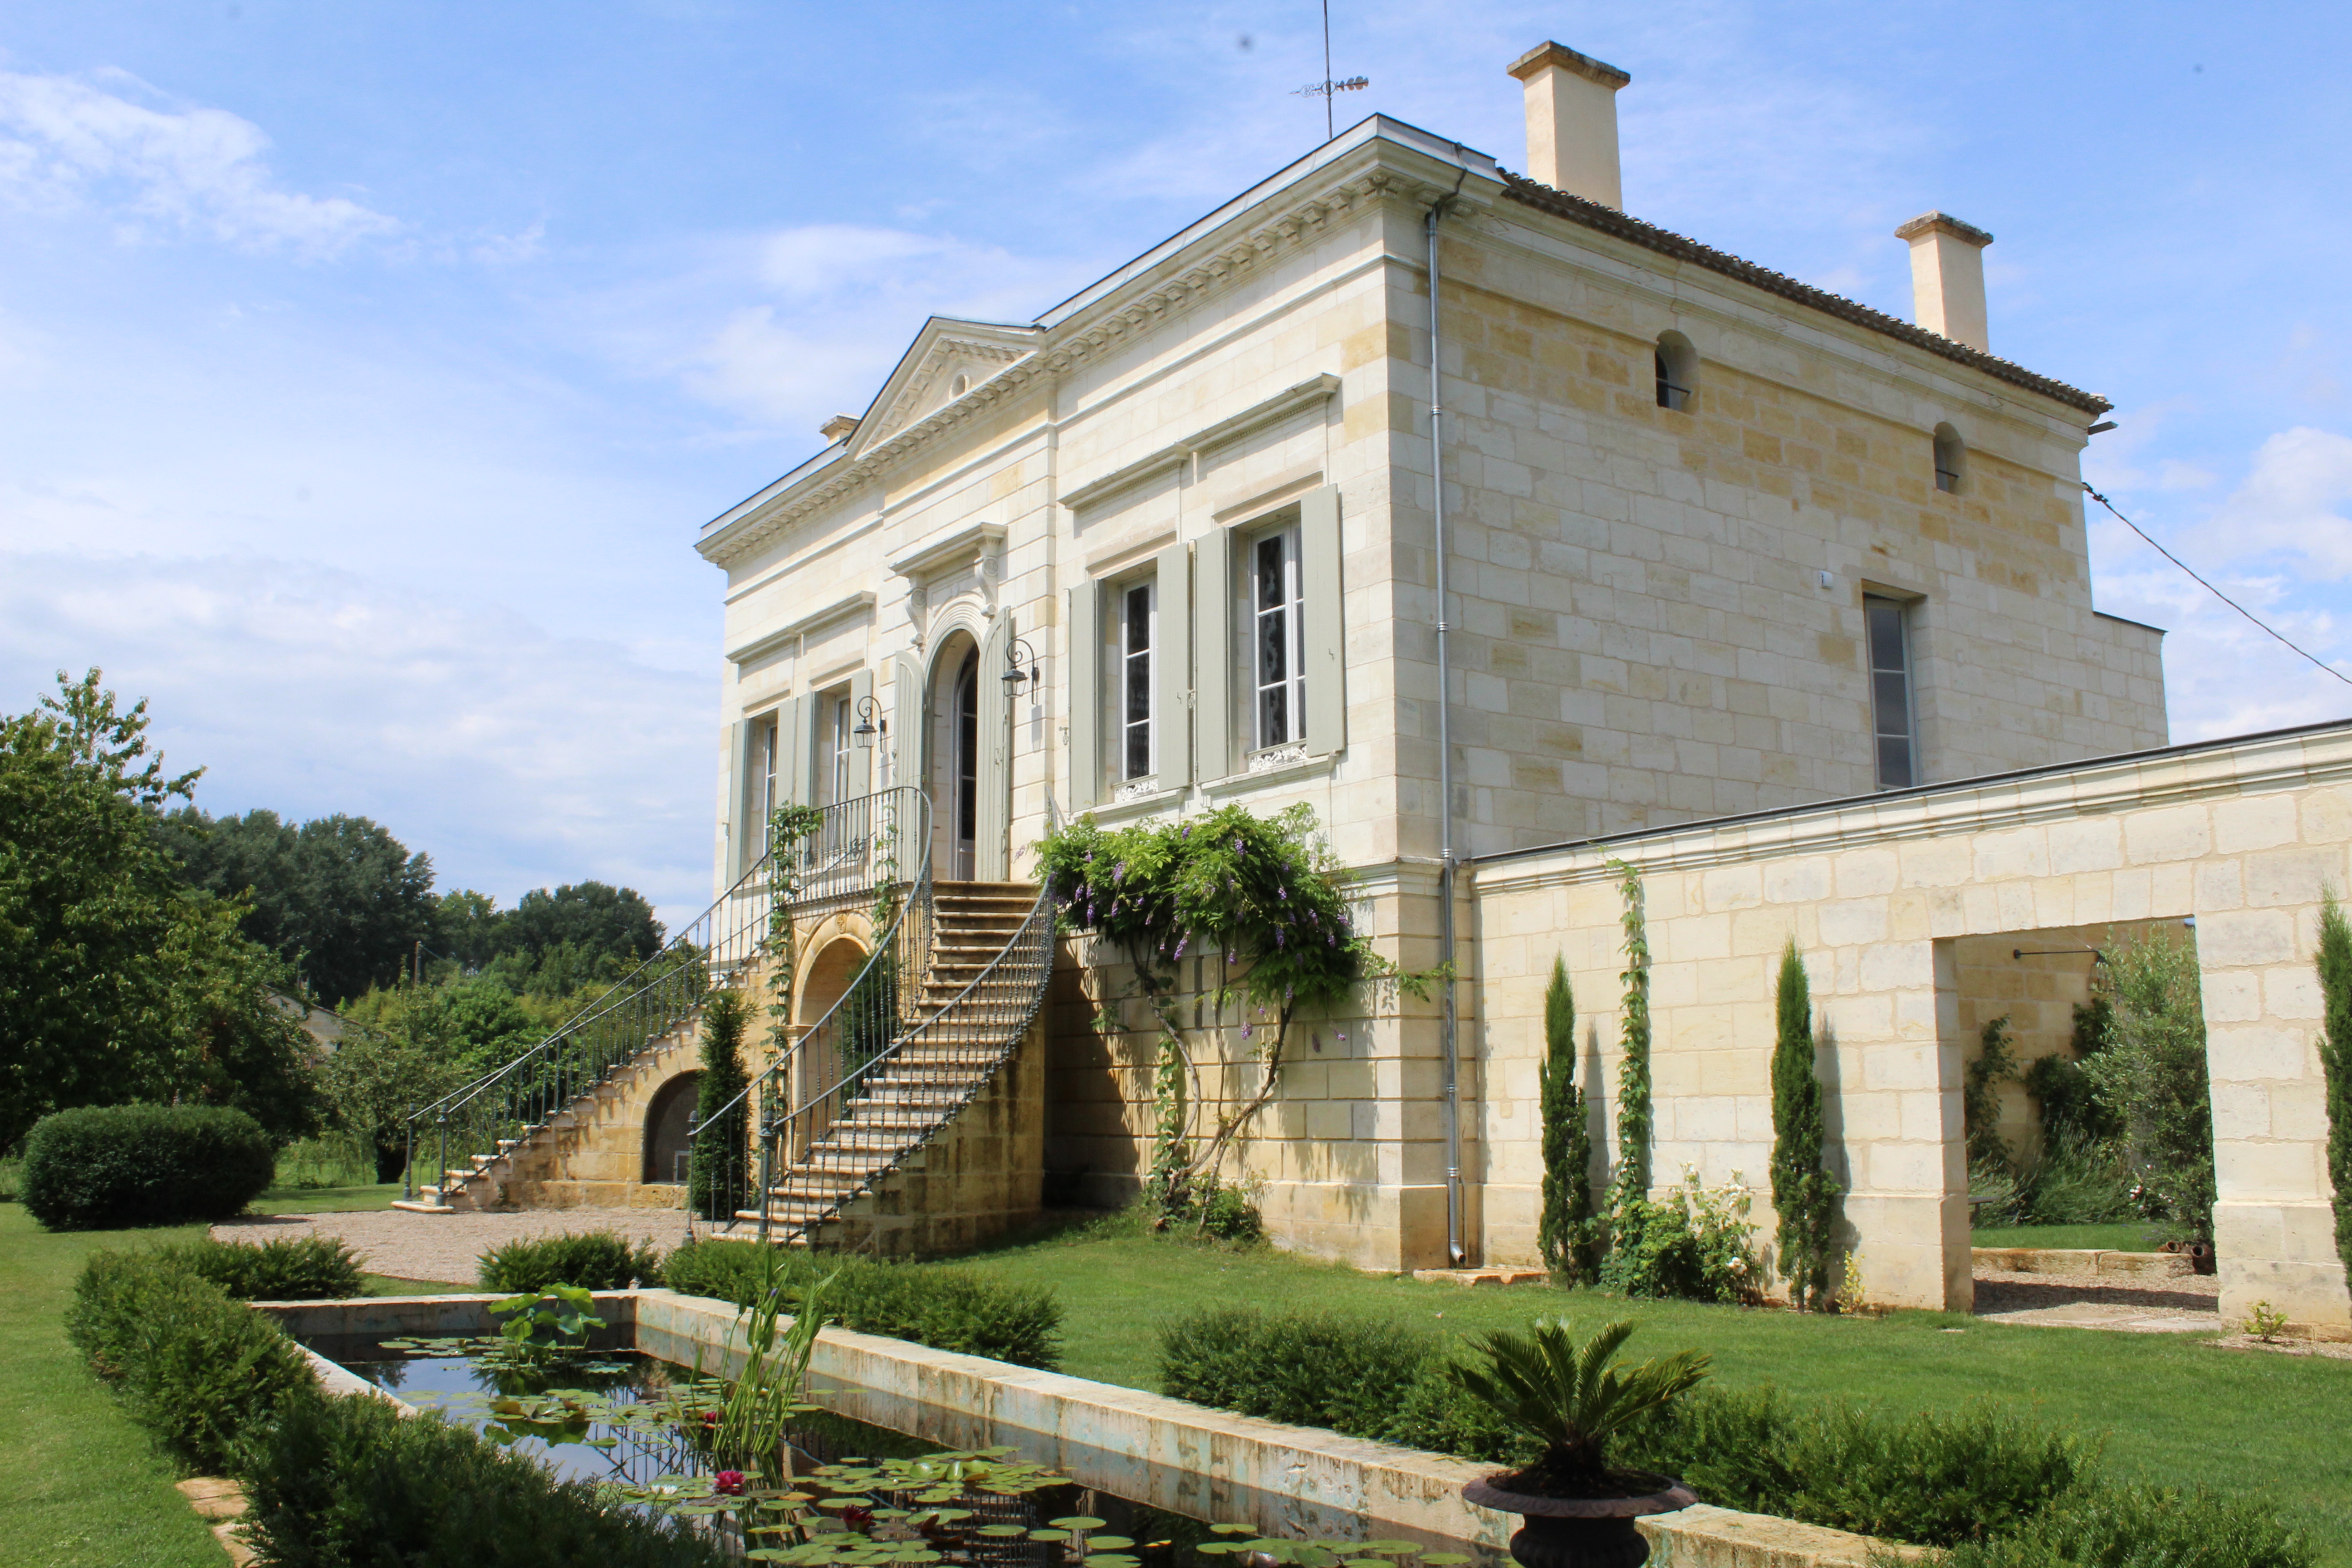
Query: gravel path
(2183, 1303)
(445, 1246)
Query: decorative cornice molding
(1256, 416)
(840, 609)
(2247, 764)
(1309, 211)
(964, 545)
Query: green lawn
(2128, 1236)
(85, 1485)
(325, 1200)
(2173, 1409)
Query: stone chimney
(1572, 122)
(838, 428)
(1948, 276)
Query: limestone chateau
(1785, 602)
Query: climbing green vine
(787, 825)
(1632, 1187)
(1264, 898)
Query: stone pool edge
(1162, 1452)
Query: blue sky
(366, 370)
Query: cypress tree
(1803, 1194)
(2335, 1062)
(1564, 1233)
(720, 1175)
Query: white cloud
(842, 303)
(2292, 506)
(516, 758)
(67, 144)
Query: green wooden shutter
(861, 757)
(742, 834)
(1326, 650)
(794, 742)
(1083, 654)
(1171, 686)
(907, 729)
(995, 803)
(1212, 641)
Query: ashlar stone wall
(1884, 895)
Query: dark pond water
(467, 1390)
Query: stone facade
(1659, 611)
(1885, 898)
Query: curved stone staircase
(563, 1122)
(992, 954)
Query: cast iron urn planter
(1580, 1532)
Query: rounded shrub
(594, 1260)
(301, 1269)
(103, 1167)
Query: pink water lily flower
(729, 1483)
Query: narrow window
(1678, 364)
(1890, 692)
(837, 742)
(763, 791)
(1279, 681)
(1950, 454)
(1138, 608)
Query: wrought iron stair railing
(844, 859)
(832, 1146)
(876, 1006)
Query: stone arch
(964, 752)
(668, 1114)
(834, 957)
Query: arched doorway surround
(967, 733)
(669, 1115)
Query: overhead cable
(2208, 587)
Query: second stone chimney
(1572, 122)
(1948, 295)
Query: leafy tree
(1565, 1232)
(720, 1181)
(2153, 1072)
(466, 927)
(372, 1082)
(339, 897)
(591, 917)
(1803, 1194)
(2335, 1062)
(474, 1024)
(116, 983)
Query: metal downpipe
(1449, 1067)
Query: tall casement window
(760, 797)
(834, 745)
(1138, 615)
(1890, 692)
(1278, 676)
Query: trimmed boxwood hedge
(106, 1167)
(299, 1269)
(945, 1309)
(201, 1371)
(594, 1260)
(1977, 1480)
(347, 1481)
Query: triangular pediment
(948, 360)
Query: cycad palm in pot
(1579, 1510)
